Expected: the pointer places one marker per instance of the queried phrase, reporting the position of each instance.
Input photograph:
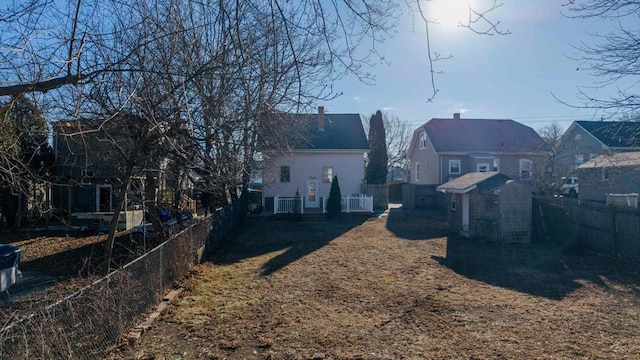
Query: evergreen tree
(334, 204)
(377, 167)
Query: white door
(312, 200)
(465, 212)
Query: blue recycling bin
(9, 261)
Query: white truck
(569, 186)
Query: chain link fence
(92, 321)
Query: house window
(454, 166)
(579, 159)
(605, 174)
(526, 169)
(417, 171)
(423, 140)
(285, 174)
(327, 174)
(483, 167)
(496, 165)
(454, 202)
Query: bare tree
(398, 140)
(614, 58)
(551, 134)
(192, 82)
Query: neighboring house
(334, 145)
(444, 149)
(489, 206)
(584, 140)
(617, 173)
(88, 176)
(397, 174)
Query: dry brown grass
(395, 287)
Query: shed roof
(483, 181)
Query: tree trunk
(108, 245)
(150, 187)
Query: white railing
(359, 203)
(288, 205)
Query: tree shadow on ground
(536, 270)
(417, 224)
(76, 262)
(261, 236)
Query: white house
(335, 145)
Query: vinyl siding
(348, 166)
(428, 160)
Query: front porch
(359, 204)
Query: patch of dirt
(395, 287)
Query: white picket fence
(360, 203)
(288, 205)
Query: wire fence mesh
(90, 322)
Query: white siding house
(337, 147)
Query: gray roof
(623, 159)
(341, 132)
(624, 134)
(482, 135)
(483, 181)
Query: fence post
(614, 231)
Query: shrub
(334, 204)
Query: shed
(489, 206)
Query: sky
(502, 76)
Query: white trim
(422, 141)
(98, 188)
(530, 162)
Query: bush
(334, 204)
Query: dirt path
(394, 287)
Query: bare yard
(394, 287)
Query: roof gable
(482, 135)
(614, 134)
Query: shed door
(465, 212)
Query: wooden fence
(601, 228)
(422, 197)
(380, 193)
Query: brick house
(489, 206)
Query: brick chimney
(320, 118)
(456, 116)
